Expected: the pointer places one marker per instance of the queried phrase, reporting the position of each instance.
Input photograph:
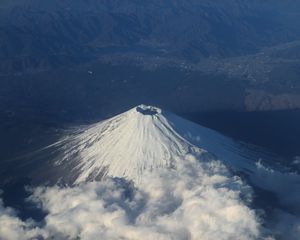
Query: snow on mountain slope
(143, 139)
(126, 146)
(147, 140)
(162, 177)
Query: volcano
(143, 139)
(149, 166)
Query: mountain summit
(142, 139)
(138, 140)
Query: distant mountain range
(249, 49)
(38, 35)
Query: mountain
(138, 141)
(38, 36)
(149, 166)
(94, 53)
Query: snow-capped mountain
(161, 176)
(143, 139)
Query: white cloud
(286, 185)
(194, 201)
(13, 228)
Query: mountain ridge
(48, 35)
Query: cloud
(296, 162)
(190, 202)
(13, 228)
(197, 200)
(286, 185)
(283, 220)
(193, 201)
(285, 225)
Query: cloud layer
(13, 228)
(194, 201)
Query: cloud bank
(13, 228)
(194, 201)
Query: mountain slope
(140, 140)
(126, 146)
(162, 170)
